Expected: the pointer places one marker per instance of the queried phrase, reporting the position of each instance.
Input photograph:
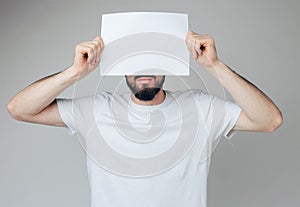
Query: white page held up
(149, 43)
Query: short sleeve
(232, 114)
(219, 115)
(65, 108)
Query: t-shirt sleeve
(218, 114)
(65, 108)
(232, 114)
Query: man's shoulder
(102, 95)
(192, 97)
(189, 93)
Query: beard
(145, 93)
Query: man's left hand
(202, 48)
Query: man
(179, 184)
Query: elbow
(276, 122)
(12, 110)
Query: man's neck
(158, 98)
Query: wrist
(71, 75)
(214, 63)
(214, 66)
(220, 70)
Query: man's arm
(36, 103)
(258, 113)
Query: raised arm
(258, 113)
(36, 103)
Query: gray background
(44, 166)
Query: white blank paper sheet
(149, 43)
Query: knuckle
(101, 44)
(211, 40)
(208, 37)
(91, 50)
(94, 47)
(78, 47)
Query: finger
(191, 39)
(100, 44)
(188, 43)
(83, 50)
(195, 55)
(199, 48)
(206, 40)
(190, 34)
(99, 41)
(81, 54)
(97, 49)
(87, 51)
(188, 46)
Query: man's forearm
(37, 96)
(259, 113)
(258, 107)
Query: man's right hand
(36, 103)
(87, 57)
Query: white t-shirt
(149, 156)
